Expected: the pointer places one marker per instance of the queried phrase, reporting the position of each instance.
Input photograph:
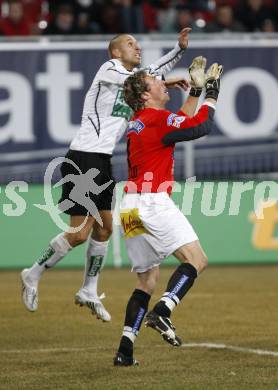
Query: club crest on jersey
(175, 120)
(135, 126)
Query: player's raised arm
(169, 60)
(197, 82)
(177, 82)
(184, 128)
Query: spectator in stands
(15, 23)
(186, 18)
(87, 16)
(166, 17)
(118, 16)
(253, 13)
(224, 21)
(110, 22)
(83, 24)
(175, 19)
(268, 25)
(35, 9)
(150, 16)
(64, 22)
(30, 17)
(232, 3)
(131, 16)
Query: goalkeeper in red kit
(152, 226)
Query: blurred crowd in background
(75, 17)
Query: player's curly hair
(134, 87)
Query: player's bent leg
(135, 311)
(147, 282)
(193, 261)
(82, 234)
(30, 277)
(95, 258)
(103, 233)
(58, 247)
(161, 323)
(194, 254)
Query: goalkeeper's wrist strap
(212, 88)
(212, 93)
(195, 92)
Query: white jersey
(105, 113)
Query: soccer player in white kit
(104, 120)
(152, 225)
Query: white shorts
(153, 228)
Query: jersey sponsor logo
(131, 223)
(170, 119)
(120, 108)
(178, 286)
(175, 120)
(135, 126)
(47, 254)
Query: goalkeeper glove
(213, 81)
(197, 75)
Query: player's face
(157, 90)
(130, 52)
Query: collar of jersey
(118, 63)
(144, 110)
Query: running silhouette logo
(84, 184)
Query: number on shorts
(132, 170)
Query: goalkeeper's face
(157, 94)
(130, 52)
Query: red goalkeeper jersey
(151, 138)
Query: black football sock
(179, 284)
(135, 311)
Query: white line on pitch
(187, 345)
(231, 348)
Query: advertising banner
(236, 222)
(43, 85)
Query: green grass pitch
(62, 346)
